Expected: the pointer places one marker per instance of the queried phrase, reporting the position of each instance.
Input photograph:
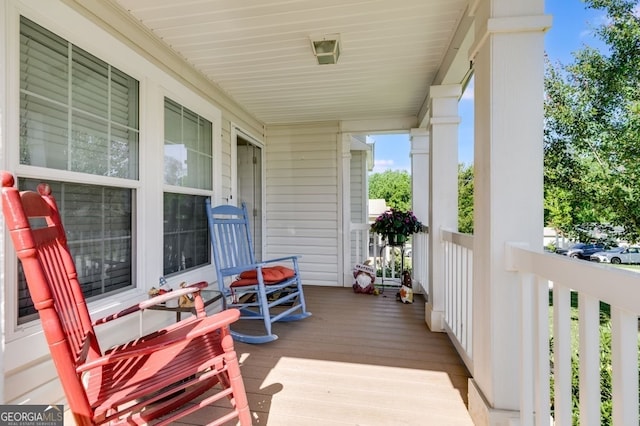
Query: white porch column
(507, 58)
(443, 190)
(420, 206)
(344, 237)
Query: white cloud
(384, 163)
(380, 166)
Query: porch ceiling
(259, 52)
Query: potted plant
(396, 225)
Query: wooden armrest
(279, 259)
(203, 327)
(156, 300)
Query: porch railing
(359, 242)
(543, 273)
(366, 245)
(546, 348)
(458, 292)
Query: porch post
(344, 237)
(443, 190)
(508, 62)
(420, 206)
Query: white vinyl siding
(302, 199)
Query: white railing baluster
(589, 334)
(562, 353)
(526, 347)
(541, 357)
(624, 364)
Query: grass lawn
(635, 268)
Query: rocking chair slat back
(269, 301)
(41, 246)
(152, 378)
(232, 232)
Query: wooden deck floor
(359, 360)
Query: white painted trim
(232, 197)
(344, 206)
(393, 125)
(433, 318)
(483, 414)
(235, 131)
(510, 24)
(445, 91)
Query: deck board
(359, 360)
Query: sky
(571, 29)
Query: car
(582, 250)
(604, 256)
(623, 255)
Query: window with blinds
(80, 114)
(188, 163)
(97, 223)
(77, 112)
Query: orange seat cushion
(270, 275)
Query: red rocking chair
(151, 380)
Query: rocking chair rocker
(267, 291)
(150, 380)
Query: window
(97, 223)
(186, 232)
(80, 114)
(188, 164)
(77, 112)
(187, 148)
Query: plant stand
(393, 243)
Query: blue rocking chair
(267, 291)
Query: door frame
(237, 131)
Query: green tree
(465, 198)
(592, 129)
(394, 186)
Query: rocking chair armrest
(218, 321)
(156, 300)
(279, 259)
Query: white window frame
(154, 84)
(187, 190)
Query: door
(249, 186)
